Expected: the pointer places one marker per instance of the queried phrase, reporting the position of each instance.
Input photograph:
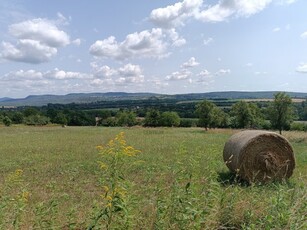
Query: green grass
(176, 182)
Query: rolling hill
(83, 98)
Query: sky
(158, 46)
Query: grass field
(51, 178)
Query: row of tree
(278, 115)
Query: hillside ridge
(81, 98)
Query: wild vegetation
(138, 178)
(217, 113)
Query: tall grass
(177, 181)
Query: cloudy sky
(160, 46)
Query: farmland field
(52, 178)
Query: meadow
(57, 178)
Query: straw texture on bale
(259, 156)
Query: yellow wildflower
(105, 188)
(103, 165)
(109, 198)
(25, 196)
(18, 172)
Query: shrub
(36, 120)
(298, 126)
(188, 122)
(7, 121)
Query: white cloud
(103, 71)
(176, 39)
(175, 15)
(41, 30)
(208, 41)
(124, 75)
(204, 76)
(144, 44)
(29, 51)
(65, 75)
(62, 19)
(286, 2)
(223, 72)
(179, 75)
(302, 68)
(190, 63)
(277, 29)
(304, 35)
(260, 73)
(249, 64)
(38, 41)
(224, 9)
(22, 75)
(76, 42)
(130, 74)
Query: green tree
(152, 118)
(29, 111)
(36, 120)
(126, 118)
(7, 121)
(17, 118)
(170, 119)
(246, 115)
(60, 118)
(281, 112)
(220, 118)
(208, 114)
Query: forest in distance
(156, 111)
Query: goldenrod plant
(115, 158)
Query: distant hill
(5, 99)
(82, 98)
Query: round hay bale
(259, 156)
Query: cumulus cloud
(22, 75)
(175, 38)
(103, 72)
(179, 75)
(76, 42)
(175, 15)
(29, 51)
(302, 68)
(304, 35)
(41, 30)
(190, 63)
(144, 44)
(223, 72)
(56, 74)
(226, 8)
(124, 75)
(204, 76)
(38, 41)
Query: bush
(188, 122)
(36, 120)
(170, 119)
(298, 126)
(7, 121)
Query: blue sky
(160, 46)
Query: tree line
(278, 114)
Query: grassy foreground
(53, 178)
